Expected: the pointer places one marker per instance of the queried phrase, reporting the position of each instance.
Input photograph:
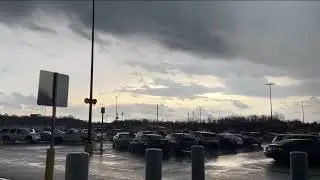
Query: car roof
(124, 133)
(310, 135)
(290, 140)
(152, 135)
(204, 132)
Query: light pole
(193, 115)
(157, 113)
(270, 85)
(117, 117)
(188, 117)
(200, 114)
(103, 110)
(89, 100)
(302, 107)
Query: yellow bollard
(50, 164)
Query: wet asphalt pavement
(21, 162)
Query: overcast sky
(180, 55)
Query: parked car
(111, 133)
(280, 151)
(145, 141)
(84, 134)
(73, 135)
(161, 132)
(249, 140)
(229, 140)
(44, 135)
(58, 136)
(181, 141)
(19, 134)
(140, 133)
(206, 139)
(122, 140)
(280, 137)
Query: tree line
(255, 123)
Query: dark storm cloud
(282, 34)
(184, 25)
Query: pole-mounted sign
(53, 91)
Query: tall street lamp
(270, 85)
(117, 117)
(89, 100)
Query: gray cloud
(172, 89)
(3, 70)
(280, 34)
(240, 105)
(17, 100)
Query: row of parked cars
(11, 135)
(179, 141)
(283, 144)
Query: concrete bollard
(197, 157)
(298, 166)
(77, 166)
(153, 169)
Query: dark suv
(280, 151)
(145, 141)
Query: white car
(76, 135)
(19, 134)
(73, 135)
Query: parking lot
(21, 161)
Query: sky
(184, 56)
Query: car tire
(132, 149)
(29, 140)
(58, 140)
(6, 139)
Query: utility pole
(117, 117)
(103, 110)
(270, 85)
(302, 106)
(90, 101)
(200, 114)
(193, 115)
(188, 117)
(157, 113)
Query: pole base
(89, 148)
(50, 164)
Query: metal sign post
(53, 91)
(103, 110)
(54, 107)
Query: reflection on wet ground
(28, 162)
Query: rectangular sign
(103, 110)
(46, 89)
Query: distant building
(35, 115)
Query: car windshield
(125, 136)
(286, 141)
(154, 137)
(208, 135)
(148, 132)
